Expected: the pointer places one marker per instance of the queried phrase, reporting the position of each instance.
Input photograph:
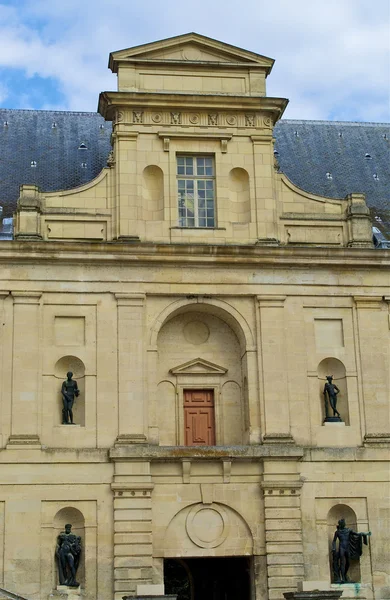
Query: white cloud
(329, 55)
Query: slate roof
(333, 159)
(46, 148)
(61, 150)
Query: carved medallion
(207, 525)
(191, 54)
(231, 120)
(119, 117)
(156, 117)
(194, 119)
(196, 332)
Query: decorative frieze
(194, 119)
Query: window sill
(196, 228)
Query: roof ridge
(57, 112)
(338, 123)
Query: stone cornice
(178, 453)
(110, 102)
(201, 254)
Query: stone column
(373, 335)
(274, 370)
(131, 384)
(132, 488)
(26, 370)
(283, 526)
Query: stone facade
(114, 282)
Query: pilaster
(133, 561)
(131, 427)
(26, 399)
(373, 337)
(266, 216)
(283, 526)
(274, 366)
(126, 186)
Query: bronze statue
(68, 552)
(331, 390)
(69, 391)
(350, 547)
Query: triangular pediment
(190, 47)
(198, 366)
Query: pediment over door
(198, 366)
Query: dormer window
(196, 191)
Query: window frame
(204, 208)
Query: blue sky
(332, 56)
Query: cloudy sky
(332, 56)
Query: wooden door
(199, 420)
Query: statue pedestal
(64, 592)
(350, 591)
(169, 597)
(314, 595)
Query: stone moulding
(314, 595)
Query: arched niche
(153, 193)
(239, 195)
(337, 512)
(198, 351)
(334, 367)
(77, 367)
(219, 308)
(74, 517)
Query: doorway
(199, 422)
(226, 578)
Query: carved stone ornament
(267, 122)
(138, 116)
(213, 119)
(175, 118)
(207, 526)
(194, 119)
(156, 117)
(110, 159)
(231, 120)
(250, 120)
(119, 116)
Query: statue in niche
(347, 545)
(68, 552)
(330, 395)
(69, 391)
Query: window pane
(195, 191)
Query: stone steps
(6, 595)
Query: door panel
(199, 421)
